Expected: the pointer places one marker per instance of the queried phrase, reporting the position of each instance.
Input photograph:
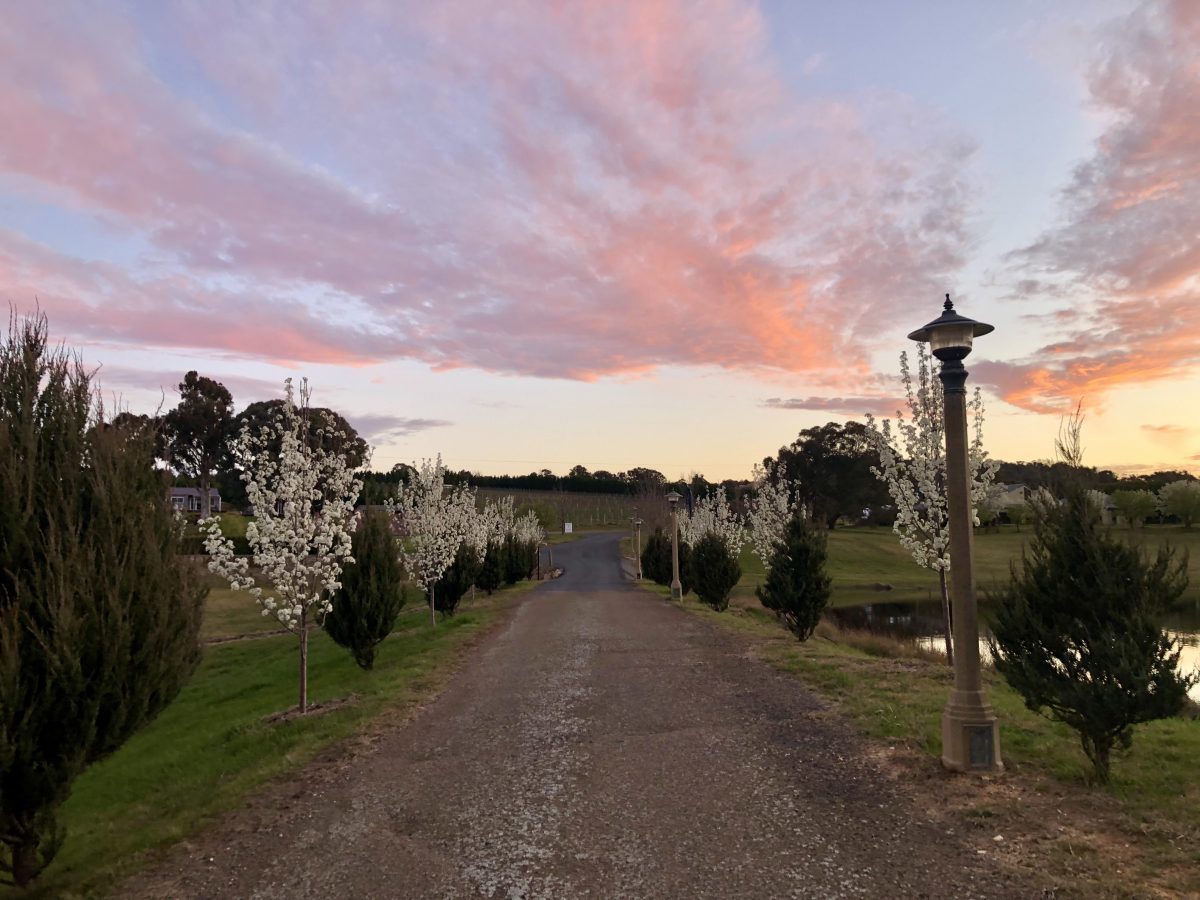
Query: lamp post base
(676, 590)
(970, 735)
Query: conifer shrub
(656, 558)
(372, 592)
(99, 612)
(1077, 636)
(714, 571)
(456, 580)
(656, 561)
(797, 587)
(514, 562)
(491, 570)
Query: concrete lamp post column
(970, 734)
(676, 586)
(637, 524)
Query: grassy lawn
(211, 747)
(861, 558)
(1090, 839)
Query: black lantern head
(950, 335)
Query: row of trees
(1179, 499)
(790, 547)
(299, 474)
(99, 607)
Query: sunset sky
(653, 233)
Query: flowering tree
(713, 515)
(770, 511)
(436, 521)
(303, 498)
(916, 475)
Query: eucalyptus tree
(197, 432)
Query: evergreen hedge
(99, 612)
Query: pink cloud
(564, 191)
(1127, 257)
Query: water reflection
(922, 623)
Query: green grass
(211, 747)
(860, 558)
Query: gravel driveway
(600, 744)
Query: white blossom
(435, 521)
(915, 474)
(770, 511)
(303, 498)
(713, 515)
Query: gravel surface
(600, 744)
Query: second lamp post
(676, 586)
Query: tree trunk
(205, 501)
(303, 661)
(24, 863)
(946, 617)
(432, 608)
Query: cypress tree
(514, 564)
(714, 571)
(797, 588)
(1077, 635)
(656, 558)
(372, 592)
(491, 570)
(456, 580)
(99, 613)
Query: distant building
(1006, 496)
(186, 499)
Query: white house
(186, 499)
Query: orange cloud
(1127, 259)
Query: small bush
(456, 580)
(797, 588)
(1077, 635)
(491, 570)
(714, 571)
(514, 560)
(656, 558)
(372, 592)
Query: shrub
(656, 558)
(797, 587)
(456, 580)
(714, 571)
(1076, 633)
(514, 562)
(656, 561)
(99, 613)
(372, 592)
(491, 570)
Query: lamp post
(970, 736)
(637, 524)
(676, 587)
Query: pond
(922, 623)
